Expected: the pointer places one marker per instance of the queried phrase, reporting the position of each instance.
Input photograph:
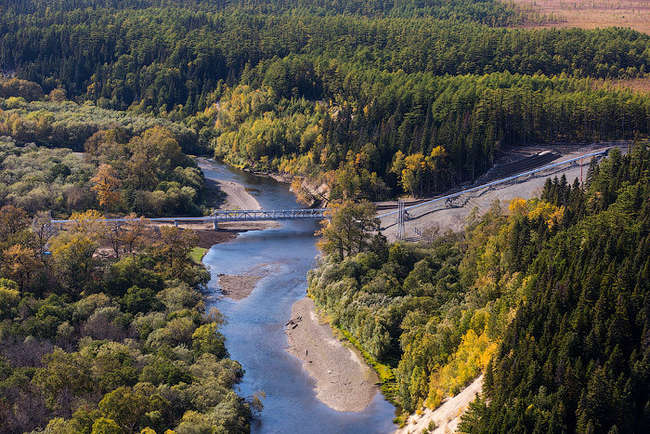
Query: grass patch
(197, 254)
(589, 15)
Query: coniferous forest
(103, 103)
(548, 298)
(337, 91)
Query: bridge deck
(230, 216)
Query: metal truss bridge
(222, 216)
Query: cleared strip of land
(438, 217)
(444, 419)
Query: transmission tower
(400, 219)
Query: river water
(255, 325)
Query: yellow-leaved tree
(106, 186)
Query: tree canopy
(547, 298)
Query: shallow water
(255, 325)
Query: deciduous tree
(349, 228)
(106, 186)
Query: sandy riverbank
(236, 197)
(342, 380)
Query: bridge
(222, 216)
(401, 213)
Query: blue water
(255, 325)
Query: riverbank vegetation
(546, 298)
(130, 163)
(109, 339)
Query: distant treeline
(484, 11)
(160, 58)
(375, 98)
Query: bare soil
(240, 286)
(236, 196)
(209, 237)
(640, 85)
(237, 286)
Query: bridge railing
(260, 214)
(226, 216)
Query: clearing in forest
(591, 14)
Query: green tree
(207, 339)
(63, 376)
(106, 426)
(174, 249)
(73, 255)
(350, 228)
(125, 407)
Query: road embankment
(445, 418)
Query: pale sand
(342, 380)
(446, 417)
(236, 196)
(237, 286)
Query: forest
(109, 339)
(123, 163)
(103, 103)
(104, 329)
(370, 97)
(414, 133)
(549, 298)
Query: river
(255, 325)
